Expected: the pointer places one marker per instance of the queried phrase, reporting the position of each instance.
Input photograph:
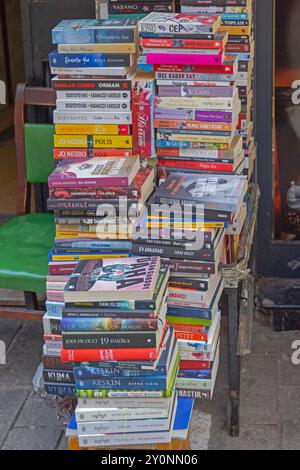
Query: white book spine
(63, 117)
(124, 439)
(93, 105)
(126, 426)
(84, 414)
(91, 95)
(89, 403)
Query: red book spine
(188, 165)
(96, 355)
(194, 365)
(218, 69)
(191, 336)
(62, 269)
(184, 43)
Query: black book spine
(189, 267)
(182, 283)
(59, 376)
(173, 252)
(184, 244)
(104, 341)
(90, 313)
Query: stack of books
(192, 246)
(238, 21)
(197, 106)
(125, 356)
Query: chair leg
(31, 301)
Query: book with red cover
(229, 66)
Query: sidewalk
(270, 399)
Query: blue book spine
(93, 36)
(55, 308)
(235, 16)
(88, 372)
(242, 56)
(60, 390)
(76, 255)
(89, 60)
(105, 245)
(195, 374)
(123, 383)
(202, 313)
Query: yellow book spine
(87, 257)
(121, 141)
(87, 129)
(236, 30)
(92, 141)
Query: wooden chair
(26, 239)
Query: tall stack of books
(192, 246)
(125, 356)
(94, 150)
(238, 21)
(197, 104)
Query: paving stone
(23, 358)
(37, 412)
(289, 402)
(291, 434)
(40, 438)
(11, 403)
(259, 390)
(253, 437)
(8, 330)
(63, 444)
(265, 344)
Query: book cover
(95, 31)
(113, 279)
(222, 192)
(95, 172)
(165, 23)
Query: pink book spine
(143, 132)
(55, 296)
(184, 59)
(76, 182)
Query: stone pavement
(270, 401)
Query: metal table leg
(233, 361)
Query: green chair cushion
(39, 152)
(24, 245)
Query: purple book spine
(194, 91)
(214, 116)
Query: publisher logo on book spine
(2, 92)
(296, 353)
(2, 353)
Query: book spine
(184, 43)
(202, 166)
(88, 313)
(61, 84)
(173, 252)
(188, 296)
(62, 269)
(193, 284)
(143, 116)
(194, 115)
(123, 393)
(79, 182)
(187, 144)
(68, 153)
(121, 305)
(180, 311)
(202, 154)
(82, 355)
(185, 59)
(215, 3)
(88, 372)
(129, 48)
(195, 69)
(126, 426)
(184, 244)
(51, 326)
(60, 390)
(122, 383)
(108, 324)
(89, 60)
(94, 95)
(195, 374)
(193, 384)
(192, 125)
(83, 415)
(94, 36)
(55, 363)
(186, 91)
(195, 103)
(187, 267)
(58, 376)
(106, 440)
(139, 7)
(60, 117)
(178, 320)
(90, 141)
(208, 139)
(122, 340)
(196, 365)
(177, 77)
(104, 129)
(196, 394)
(88, 403)
(93, 105)
(169, 28)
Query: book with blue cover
(90, 60)
(95, 31)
